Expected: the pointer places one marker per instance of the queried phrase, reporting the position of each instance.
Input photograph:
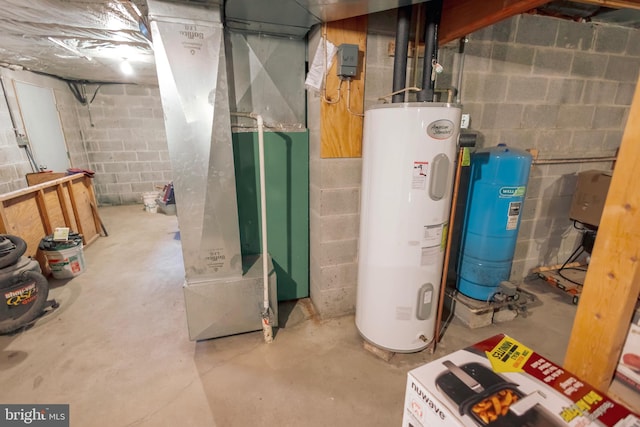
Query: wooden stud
(42, 207)
(340, 130)
(63, 205)
(612, 283)
(463, 17)
(74, 208)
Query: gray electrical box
(347, 60)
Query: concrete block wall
(126, 142)
(14, 163)
(13, 160)
(561, 87)
(334, 201)
(531, 82)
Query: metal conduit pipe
(434, 12)
(401, 52)
(574, 160)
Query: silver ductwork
(192, 75)
(191, 63)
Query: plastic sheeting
(76, 40)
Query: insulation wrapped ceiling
(76, 40)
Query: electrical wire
(406, 89)
(326, 71)
(575, 255)
(32, 161)
(349, 100)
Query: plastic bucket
(66, 263)
(149, 200)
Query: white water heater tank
(408, 164)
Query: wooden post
(612, 283)
(341, 130)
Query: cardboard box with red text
(628, 371)
(500, 382)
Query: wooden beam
(612, 283)
(462, 17)
(615, 4)
(341, 130)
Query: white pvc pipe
(266, 324)
(263, 210)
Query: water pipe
(267, 328)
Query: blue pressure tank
(497, 187)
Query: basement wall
(125, 138)
(559, 86)
(14, 163)
(13, 159)
(121, 137)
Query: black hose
(13, 255)
(401, 52)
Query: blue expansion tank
(497, 188)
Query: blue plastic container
(497, 187)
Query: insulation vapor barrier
(64, 35)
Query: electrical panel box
(347, 60)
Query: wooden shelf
(34, 212)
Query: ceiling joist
(463, 17)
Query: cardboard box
(500, 382)
(628, 370)
(591, 193)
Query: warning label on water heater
(432, 235)
(429, 256)
(514, 214)
(420, 174)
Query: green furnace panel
(287, 183)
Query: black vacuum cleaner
(23, 288)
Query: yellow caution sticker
(445, 233)
(466, 156)
(509, 355)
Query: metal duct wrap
(191, 64)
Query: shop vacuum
(23, 287)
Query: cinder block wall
(334, 203)
(14, 164)
(13, 159)
(561, 87)
(126, 142)
(530, 82)
(121, 136)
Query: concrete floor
(118, 352)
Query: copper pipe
(447, 253)
(574, 160)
